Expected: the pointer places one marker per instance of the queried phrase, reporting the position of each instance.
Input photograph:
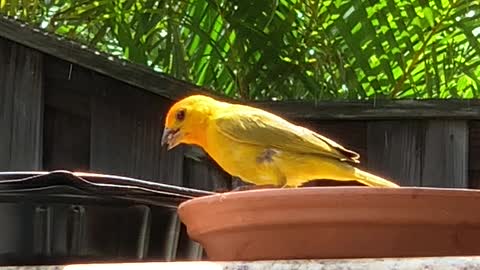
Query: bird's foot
(248, 187)
(253, 187)
(221, 190)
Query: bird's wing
(255, 126)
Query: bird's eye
(180, 115)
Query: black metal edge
(93, 183)
(62, 195)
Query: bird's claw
(221, 190)
(248, 187)
(253, 187)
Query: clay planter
(335, 222)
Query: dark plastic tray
(62, 217)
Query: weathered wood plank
(205, 176)
(27, 139)
(126, 130)
(66, 140)
(68, 87)
(379, 110)
(473, 154)
(6, 102)
(127, 122)
(474, 145)
(21, 102)
(474, 179)
(394, 150)
(350, 134)
(446, 154)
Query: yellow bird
(260, 147)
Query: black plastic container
(62, 217)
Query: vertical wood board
(6, 102)
(21, 107)
(474, 154)
(127, 125)
(349, 134)
(66, 141)
(446, 154)
(205, 176)
(394, 150)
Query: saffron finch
(259, 147)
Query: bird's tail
(372, 180)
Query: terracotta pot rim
(340, 190)
(326, 208)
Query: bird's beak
(170, 138)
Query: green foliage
(284, 49)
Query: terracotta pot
(335, 222)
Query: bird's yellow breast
(241, 159)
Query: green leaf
(428, 13)
(463, 82)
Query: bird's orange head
(187, 121)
